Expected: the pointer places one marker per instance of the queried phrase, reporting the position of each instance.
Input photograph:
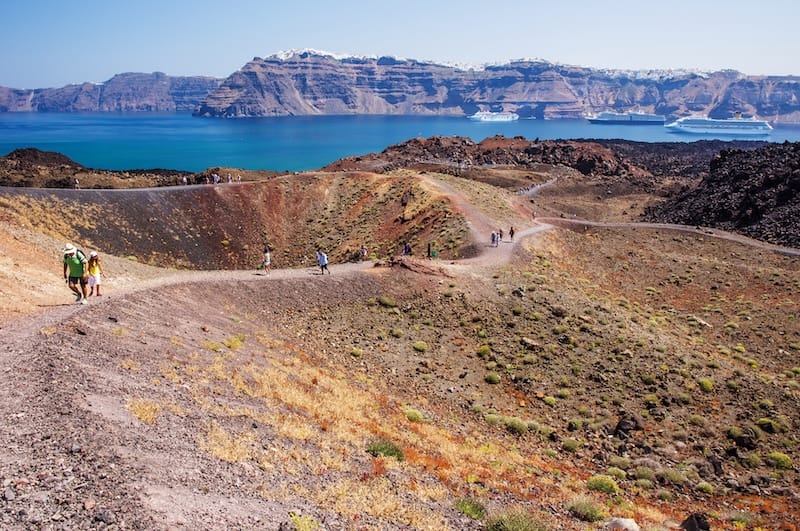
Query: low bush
(471, 507)
(585, 509)
(515, 520)
(386, 448)
(602, 483)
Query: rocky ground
(583, 371)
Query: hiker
(95, 270)
(266, 264)
(75, 272)
(322, 260)
(407, 249)
(500, 235)
(511, 233)
(362, 253)
(493, 239)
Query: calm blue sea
(183, 142)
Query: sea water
(179, 141)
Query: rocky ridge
(751, 192)
(139, 92)
(309, 83)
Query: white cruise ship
(488, 116)
(626, 118)
(702, 125)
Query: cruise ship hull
(626, 118)
(709, 126)
(486, 116)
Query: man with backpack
(75, 272)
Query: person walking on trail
(266, 264)
(499, 235)
(494, 239)
(95, 270)
(76, 272)
(511, 233)
(322, 260)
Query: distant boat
(488, 116)
(630, 118)
(703, 125)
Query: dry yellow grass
(145, 410)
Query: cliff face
(154, 92)
(307, 83)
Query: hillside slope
(569, 375)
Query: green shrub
(585, 509)
(396, 332)
(420, 346)
(492, 378)
(620, 462)
(697, 420)
(644, 483)
(516, 425)
(550, 400)
(574, 425)
(752, 460)
(386, 448)
(779, 460)
(356, 352)
(387, 301)
(673, 476)
(705, 487)
(471, 507)
(616, 473)
(602, 483)
(414, 415)
(643, 472)
(484, 350)
(514, 521)
(769, 425)
(706, 384)
(570, 445)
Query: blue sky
(51, 43)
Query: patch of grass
(471, 507)
(516, 425)
(303, 522)
(420, 346)
(145, 410)
(234, 342)
(385, 448)
(586, 509)
(705, 487)
(210, 345)
(779, 460)
(643, 472)
(620, 462)
(387, 301)
(492, 378)
(231, 448)
(515, 520)
(396, 332)
(356, 352)
(484, 351)
(571, 445)
(414, 415)
(616, 473)
(602, 483)
(705, 384)
(672, 476)
(550, 400)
